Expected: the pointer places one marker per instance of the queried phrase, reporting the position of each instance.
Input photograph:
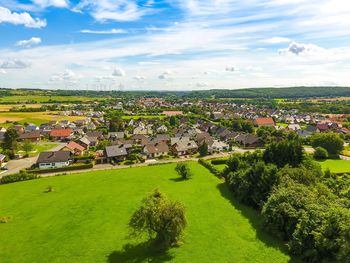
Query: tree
(284, 152)
(10, 141)
(203, 149)
(173, 121)
(329, 141)
(320, 153)
(183, 170)
(163, 219)
(115, 120)
(27, 146)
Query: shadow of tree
(179, 179)
(256, 221)
(143, 252)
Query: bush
(332, 142)
(21, 176)
(320, 153)
(61, 169)
(183, 170)
(218, 161)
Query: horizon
(182, 45)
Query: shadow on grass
(256, 221)
(179, 179)
(143, 252)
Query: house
(217, 146)
(248, 140)
(323, 127)
(113, 136)
(156, 150)
(294, 127)
(61, 134)
(203, 137)
(260, 122)
(172, 113)
(19, 128)
(2, 159)
(85, 142)
(97, 134)
(116, 153)
(162, 129)
(74, 148)
(33, 136)
(54, 159)
(31, 127)
(184, 147)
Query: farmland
(85, 219)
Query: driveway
(14, 166)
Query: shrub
(210, 167)
(320, 153)
(218, 161)
(61, 169)
(21, 176)
(183, 170)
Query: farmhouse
(54, 159)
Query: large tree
(332, 142)
(10, 141)
(162, 219)
(183, 170)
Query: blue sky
(173, 45)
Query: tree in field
(284, 152)
(203, 149)
(183, 170)
(27, 146)
(10, 141)
(320, 153)
(332, 142)
(162, 219)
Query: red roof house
(61, 133)
(264, 122)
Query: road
(14, 166)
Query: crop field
(85, 219)
(336, 166)
(34, 117)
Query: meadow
(85, 219)
(336, 166)
(22, 98)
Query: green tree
(162, 219)
(203, 149)
(284, 152)
(173, 121)
(320, 153)
(332, 142)
(27, 146)
(183, 170)
(10, 144)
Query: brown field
(331, 99)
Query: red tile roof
(61, 132)
(172, 113)
(73, 145)
(264, 121)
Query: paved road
(14, 166)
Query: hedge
(218, 161)
(210, 167)
(62, 169)
(88, 157)
(18, 177)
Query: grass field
(44, 98)
(336, 166)
(7, 107)
(85, 219)
(33, 117)
(42, 147)
(220, 167)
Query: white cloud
(166, 75)
(301, 49)
(29, 42)
(122, 10)
(6, 16)
(2, 71)
(67, 76)
(276, 40)
(48, 3)
(14, 64)
(118, 72)
(140, 78)
(230, 68)
(104, 32)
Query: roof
(157, 148)
(264, 121)
(116, 150)
(30, 135)
(182, 146)
(61, 132)
(172, 113)
(75, 146)
(2, 157)
(53, 157)
(94, 134)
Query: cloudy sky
(173, 44)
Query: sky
(174, 45)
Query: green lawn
(42, 147)
(85, 219)
(336, 166)
(220, 167)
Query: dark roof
(116, 150)
(157, 148)
(53, 157)
(30, 135)
(94, 134)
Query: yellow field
(7, 107)
(35, 117)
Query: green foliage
(161, 218)
(285, 152)
(21, 176)
(203, 149)
(183, 170)
(10, 141)
(27, 146)
(63, 169)
(253, 185)
(320, 153)
(210, 167)
(332, 142)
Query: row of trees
(299, 203)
